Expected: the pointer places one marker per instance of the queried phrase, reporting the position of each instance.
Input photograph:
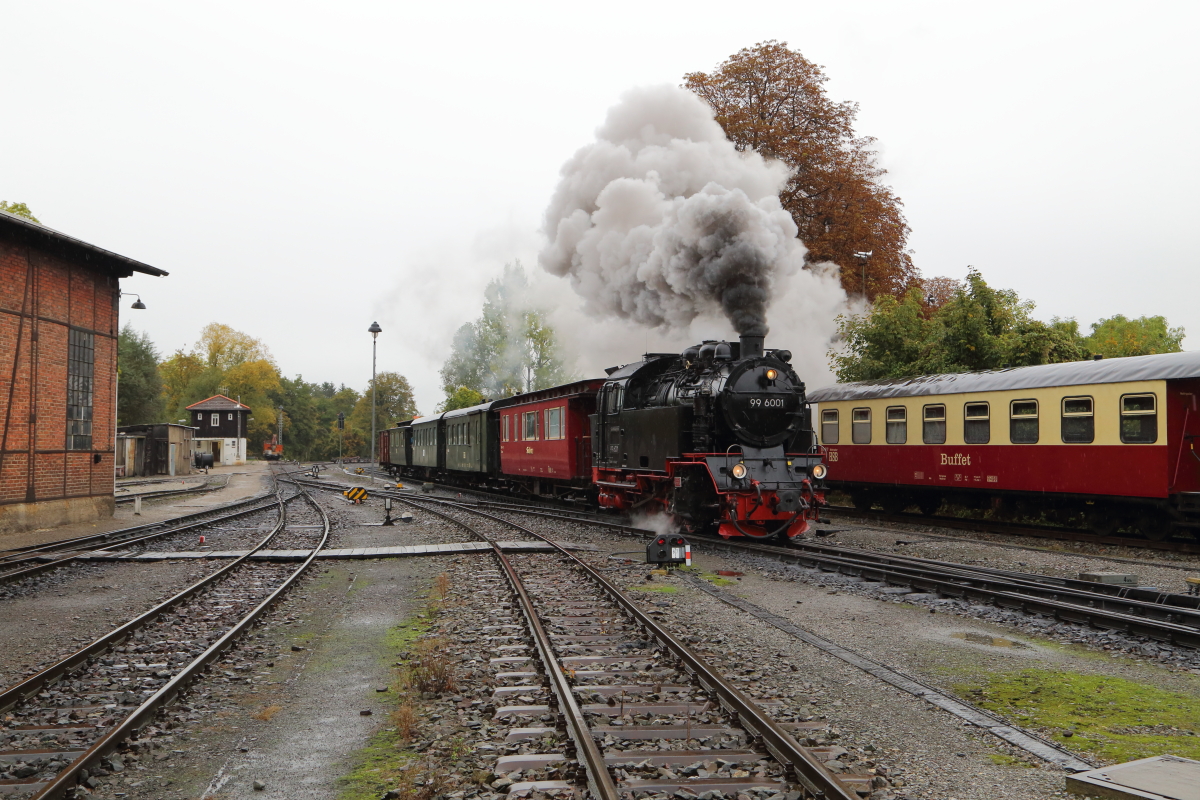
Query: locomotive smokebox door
(669, 551)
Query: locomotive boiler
(719, 436)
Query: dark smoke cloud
(661, 219)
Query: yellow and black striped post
(357, 494)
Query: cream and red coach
(1110, 442)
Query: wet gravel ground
(242, 533)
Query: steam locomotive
(719, 437)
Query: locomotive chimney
(752, 345)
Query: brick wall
(41, 297)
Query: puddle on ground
(991, 641)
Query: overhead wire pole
(374, 330)
(864, 255)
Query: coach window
(531, 426)
(554, 423)
(897, 425)
(1139, 419)
(829, 426)
(504, 420)
(933, 424)
(1078, 420)
(860, 426)
(1023, 422)
(977, 423)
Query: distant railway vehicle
(272, 450)
(718, 436)
(1111, 443)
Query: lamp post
(864, 255)
(374, 330)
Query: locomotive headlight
(819, 471)
(772, 374)
(738, 471)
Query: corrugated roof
(30, 232)
(218, 402)
(1165, 366)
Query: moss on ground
(381, 764)
(1112, 718)
(656, 587)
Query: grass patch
(1112, 718)
(378, 767)
(656, 588)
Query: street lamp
(864, 255)
(374, 330)
(138, 304)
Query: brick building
(58, 367)
(221, 429)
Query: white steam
(661, 221)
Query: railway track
(65, 725)
(25, 562)
(1014, 529)
(199, 489)
(591, 644)
(1159, 616)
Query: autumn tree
(19, 209)
(511, 347)
(771, 99)
(1117, 336)
(394, 403)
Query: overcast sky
(303, 169)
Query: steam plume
(661, 219)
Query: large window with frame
(933, 424)
(531, 431)
(829, 426)
(1023, 422)
(504, 426)
(1078, 420)
(1139, 419)
(860, 426)
(554, 423)
(81, 365)
(215, 420)
(897, 425)
(977, 423)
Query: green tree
(511, 347)
(463, 397)
(772, 99)
(139, 385)
(394, 403)
(1118, 336)
(977, 328)
(20, 209)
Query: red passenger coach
(1109, 443)
(545, 438)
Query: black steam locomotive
(718, 436)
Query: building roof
(1164, 366)
(29, 232)
(218, 402)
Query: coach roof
(1162, 367)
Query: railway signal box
(669, 551)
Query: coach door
(1185, 468)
